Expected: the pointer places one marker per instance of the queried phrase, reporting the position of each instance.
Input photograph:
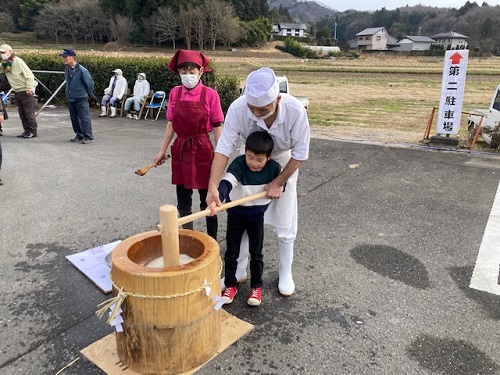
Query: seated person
(141, 91)
(114, 92)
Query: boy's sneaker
(135, 117)
(129, 115)
(87, 141)
(229, 294)
(255, 297)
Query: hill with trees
(211, 24)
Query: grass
(378, 97)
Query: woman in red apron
(193, 111)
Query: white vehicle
(285, 89)
(490, 125)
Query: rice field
(375, 98)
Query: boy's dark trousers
(184, 204)
(235, 230)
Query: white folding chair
(156, 104)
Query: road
(388, 241)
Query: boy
(246, 175)
(193, 111)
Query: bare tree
(199, 26)
(121, 27)
(230, 26)
(69, 18)
(186, 23)
(48, 22)
(215, 20)
(93, 23)
(6, 22)
(149, 29)
(166, 24)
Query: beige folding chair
(144, 102)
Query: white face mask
(190, 80)
(4, 56)
(266, 116)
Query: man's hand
(213, 197)
(274, 190)
(212, 206)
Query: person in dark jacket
(79, 86)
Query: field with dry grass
(375, 98)
(387, 99)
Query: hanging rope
(121, 295)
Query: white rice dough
(158, 262)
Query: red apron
(192, 152)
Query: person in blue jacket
(79, 86)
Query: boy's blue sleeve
(224, 190)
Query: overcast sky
(371, 5)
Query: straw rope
(121, 295)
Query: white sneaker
(129, 115)
(135, 117)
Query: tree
(93, 22)
(231, 29)
(69, 19)
(48, 22)
(254, 33)
(120, 28)
(186, 23)
(324, 36)
(28, 10)
(166, 24)
(249, 10)
(219, 15)
(199, 26)
(6, 22)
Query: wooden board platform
(103, 352)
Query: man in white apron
(263, 108)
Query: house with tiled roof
(415, 43)
(451, 40)
(290, 29)
(372, 39)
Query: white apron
(280, 211)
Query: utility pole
(335, 33)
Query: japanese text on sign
(452, 91)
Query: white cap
(261, 87)
(5, 47)
(119, 71)
(142, 74)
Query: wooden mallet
(169, 226)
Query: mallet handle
(225, 206)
